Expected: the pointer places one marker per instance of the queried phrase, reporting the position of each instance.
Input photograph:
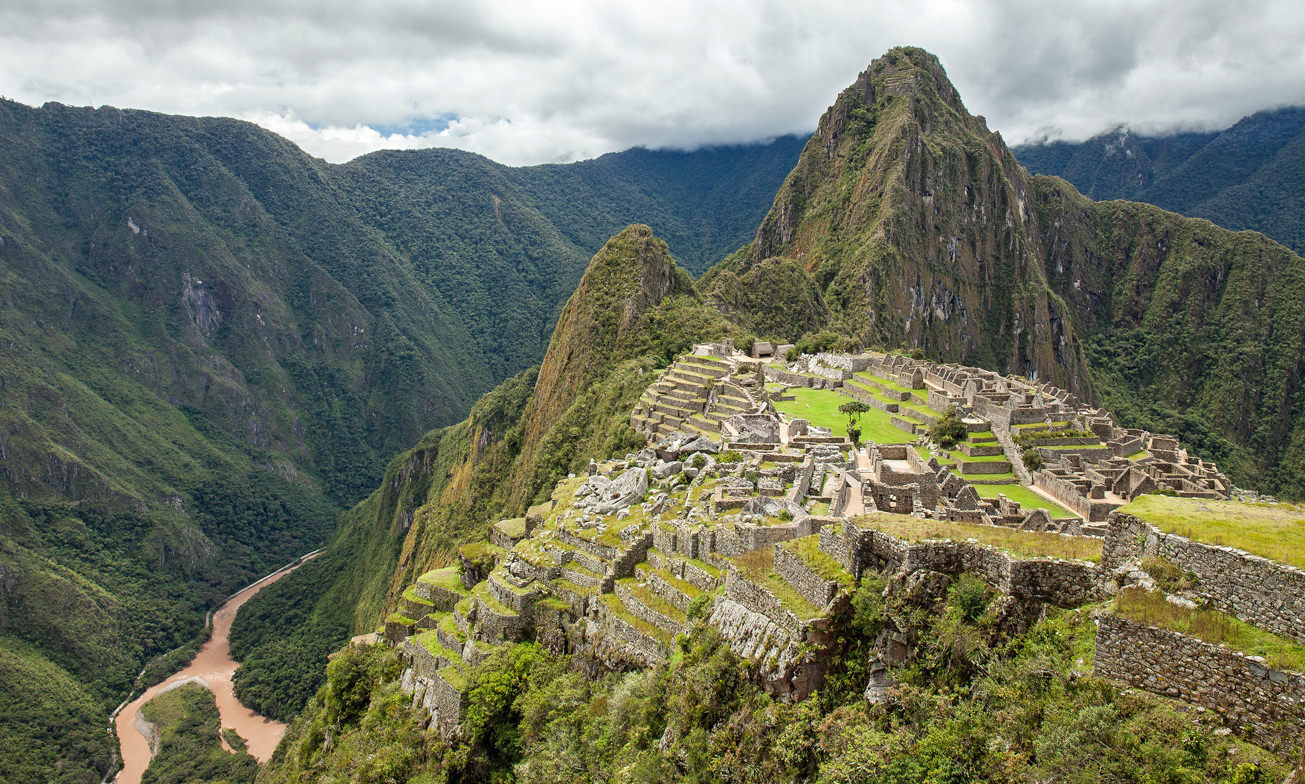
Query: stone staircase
(692, 395)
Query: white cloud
(532, 82)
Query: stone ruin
(760, 523)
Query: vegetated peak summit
(912, 218)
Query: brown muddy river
(212, 668)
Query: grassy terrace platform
(1210, 625)
(759, 567)
(446, 577)
(1026, 498)
(820, 408)
(1025, 544)
(617, 608)
(807, 548)
(1273, 531)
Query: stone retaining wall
(814, 588)
(760, 600)
(785, 377)
(1062, 583)
(1068, 495)
(625, 636)
(643, 612)
(1261, 592)
(442, 599)
(1259, 703)
(982, 466)
(444, 702)
(850, 363)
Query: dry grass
(759, 567)
(808, 549)
(1212, 626)
(1273, 531)
(1025, 544)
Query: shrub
(948, 430)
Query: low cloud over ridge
(529, 82)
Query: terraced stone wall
(1261, 704)
(1068, 494)
(1062, 583)
(814, 588)
(1260, 592)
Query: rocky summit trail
(212, 668)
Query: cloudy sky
(531, 81)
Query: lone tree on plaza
(854, 409)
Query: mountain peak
(913, 219)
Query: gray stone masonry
(441, 599)
(636, 607)
(1062, 583)
(813, 587)
(1259, 703)
(613, 635)
(1260, 592)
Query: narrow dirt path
(212, 667)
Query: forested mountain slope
(1248, 176)
(212, 341)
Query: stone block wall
(850, 363)
(1068, 494)
(759, 600)
(785, 377)
(442, 599)
(1062, 583)
(1260, 592)
(813, 587)
(614, 629)
(1259, 703)
(983, 466)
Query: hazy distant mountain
(1250, 176)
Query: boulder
(663, 470)
(627, 489)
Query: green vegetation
(948, 430)
(820, 408)
(1223, 176)
(1025, 497)
(189, 750)
(208, 311)
(1273, 531)
(854, 409)
(759, 567)
(981, 700)
(1025, 544)
(807, 548)
(1152, 608)
(516, 444)
(282, 641)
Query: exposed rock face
(610, 496)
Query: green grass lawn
(1026, 498)
(820, 407)
(1274, 531)
(446, 577)
(1028, 544)
(883, 382)
(1212, 626)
